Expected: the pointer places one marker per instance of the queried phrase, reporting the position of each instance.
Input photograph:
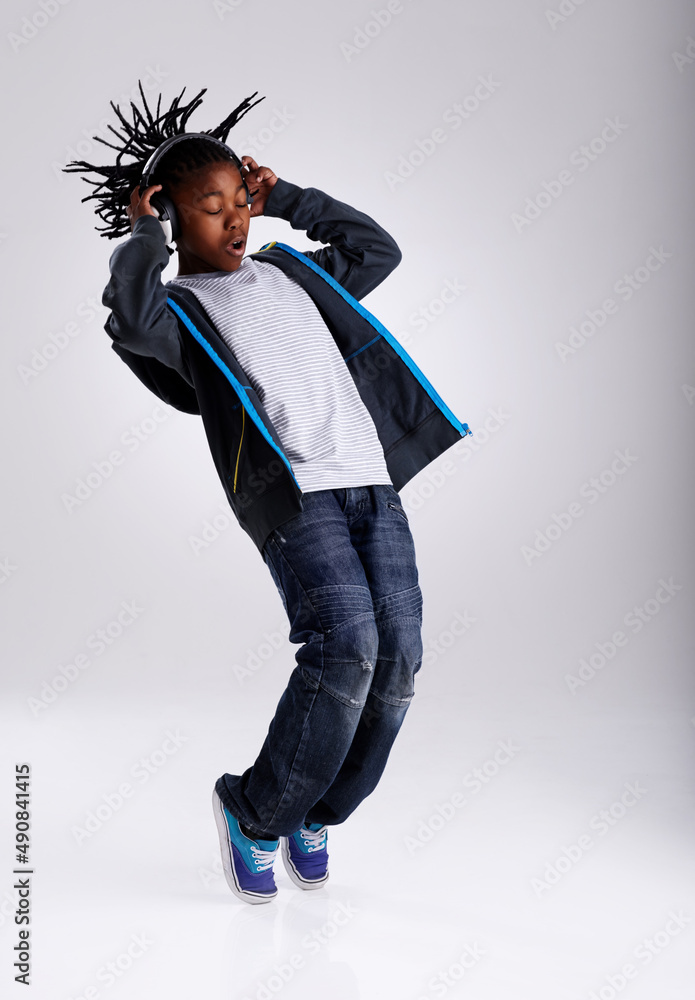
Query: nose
(232, 216)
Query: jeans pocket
(398, 509)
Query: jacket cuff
(282, 199)
(149, 225)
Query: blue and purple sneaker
(305, 856)
(247, 864)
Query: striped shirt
(279, 338)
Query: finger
(264, 174)
(148, 192)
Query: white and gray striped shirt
(279, 338)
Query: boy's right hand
(140, 206)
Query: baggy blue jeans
(345, 569)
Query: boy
(315, 416)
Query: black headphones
(162, 203)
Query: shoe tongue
(313, 826)
(267, 845)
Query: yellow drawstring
(243, 424)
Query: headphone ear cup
(166, 213)
(240, 167)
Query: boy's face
(214, 219)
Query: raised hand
(260, 182)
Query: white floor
(439, 882)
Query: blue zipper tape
(238, 387)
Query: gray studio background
(546, 293)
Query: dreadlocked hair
(138, 140)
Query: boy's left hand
(260, 182)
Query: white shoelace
(263, 859)
(314, 839)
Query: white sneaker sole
(292, 871)
(227, 859)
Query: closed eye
(219, 209)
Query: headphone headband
(153, 161)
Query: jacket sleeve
(360, 253)
(140, 321)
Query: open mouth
(236, 247)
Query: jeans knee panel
(400, 658)
(348, 656)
